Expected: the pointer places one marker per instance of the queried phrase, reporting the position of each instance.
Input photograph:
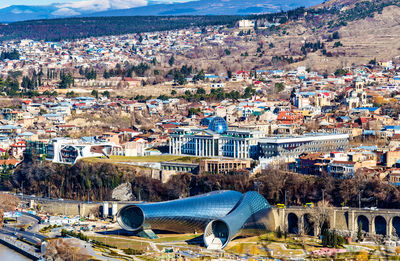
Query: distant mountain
(23, 12)
(153, 7)
(213, 7)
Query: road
(31, 235)
(70, 201)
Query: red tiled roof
(127, 130)
(9, 162)
(21, 143)
(344, 162)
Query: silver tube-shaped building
(221, 213)
(250, 210)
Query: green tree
(70, 94)
(337, 44)
(200, 76)
(106, 74)
(171, 61)
(279, 86)
(95, 94)
(335, 35)
(106, 94)
(194, 111)
(248, 92)
(359, 232)
(340, 72)
(163, 97)
(14, 55)
(67, 80)
(279, 232)
(200, 91)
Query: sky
(5, 3)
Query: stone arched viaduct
(385, 222)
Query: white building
(63, 150)
(246, 24)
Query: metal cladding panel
(250, 205)
(188, 214)
(250, 210)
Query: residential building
(293, 146)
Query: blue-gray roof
(9, 127)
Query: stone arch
(308, 225)
(364, 222)
(395, 226)
(293, 223)
(380, 225)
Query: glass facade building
(221, 213)
(218, 125)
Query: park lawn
(158, 158)
(147, 258)
(173, 238)
(258, 250)
(121, 243)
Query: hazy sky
(32, 2)
(4, 3)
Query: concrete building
(293, 146)
(390, 158)
(216, 166)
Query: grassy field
(257, 245)
(173, 238)
(160, 158)
(121, 243)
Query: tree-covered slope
(71, 28)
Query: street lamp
(285, 199)
(22, 189)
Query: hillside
(335, 34)
(365, 30)
(72, 28)
(324, 38)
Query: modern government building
(218, 141)
(220, 215)
(215, 141)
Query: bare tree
(320, 215)
(8, 202)
(67, 250)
